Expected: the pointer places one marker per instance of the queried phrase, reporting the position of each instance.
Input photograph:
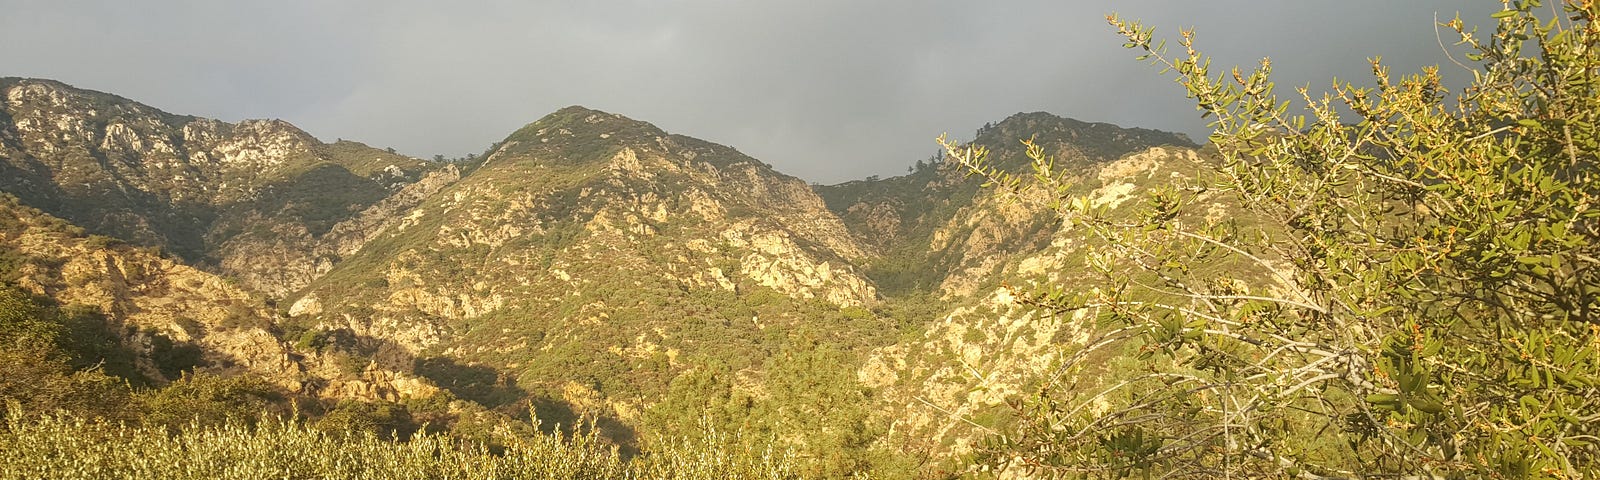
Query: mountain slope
(936, 230)
(212, 192)
(589, 265)
(971, 361)
(175, 318)
(590, 259)
(169, 319)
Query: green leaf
(1384, 400)
(1425, 404)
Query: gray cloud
(827, 90)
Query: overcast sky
(827, 90)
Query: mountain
(936, 230)
(589, 265)
(946, 387)
(219, 195)
(153, 320)
(589, 260)
(177, 317)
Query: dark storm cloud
(827, 90)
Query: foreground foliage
(65, 447)
(1421, 295)
(65, 417)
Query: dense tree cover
(1421, 295)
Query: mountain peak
(1023, 125)
(272, 127)
(577, 134)
(581, 110)
(581, 117)
(44, 85)
(45, 97)
(1041, 116)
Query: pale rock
(307, 305)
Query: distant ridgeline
(589, 273)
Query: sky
(825, 90)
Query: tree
(1415, 292)
(204, 400)
(46, 364)
(814, 392)
(389, 421)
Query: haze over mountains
(588, 264)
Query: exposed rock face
(157, 301)
(987, 351)
(152, 296)
(252, 200)
(936, 231)
(588, 257)
(280, 258)
(779, 263)
(588, 228)
(969, 362)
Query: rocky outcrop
(149, 296)
(777, 262)
(251, 200)
(971, 361)
(936, 231)
(158, 304)
(990, 349)
(282, 257)
(588, 258)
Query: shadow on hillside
(498, 391)
(556, 413)
(481, 384)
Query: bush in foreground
(1422, 294)
(64, 447)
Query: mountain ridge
(589, 264)
(912, 218)
(193, 186)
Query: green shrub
(67, 448)
(1419, 297)
(207, 400)
(12, 262)
(35, 379)
(101, 242)
(388, 421)
(241, 317)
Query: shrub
(101, 242)
(1420, 297)
(207, 400)
(388, 421)
(68, 448)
